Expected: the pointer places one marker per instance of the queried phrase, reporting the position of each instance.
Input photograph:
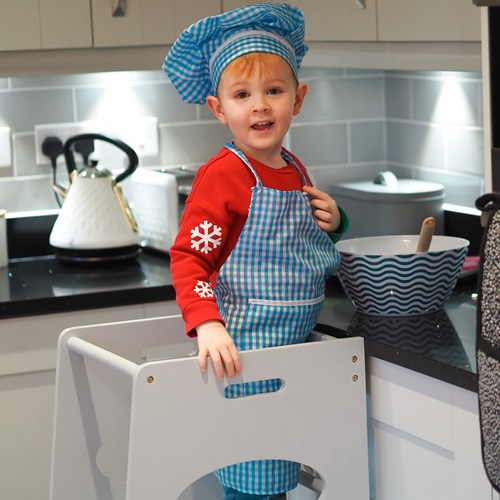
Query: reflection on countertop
(440, 344)
(429, 335)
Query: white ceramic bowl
(384, 276)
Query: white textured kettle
(95, 222)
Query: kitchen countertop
(42, 285)
(441, 345)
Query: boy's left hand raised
(325, 209)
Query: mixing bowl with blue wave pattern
(385, 276)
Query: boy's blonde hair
(265, 61)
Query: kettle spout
(60, 190)
(63, 191)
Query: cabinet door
(335, 20)
(19, 25)
(158, 22)
(339, 20)
(428, 20)
(118, 31)
(144, 22)
(44, 24)
(425, 437)
(147, 22)
(472, 21)
(27, 377)
(164, 308)
(65, 24)
(188, 12)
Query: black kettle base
(97, 255)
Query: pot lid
(386, 187)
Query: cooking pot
(95, 222)
(388, 205)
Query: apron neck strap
(244, 159)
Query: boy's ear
(300, 94)
(216, 108)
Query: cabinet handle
(118, 8)
(361, 4)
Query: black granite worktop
(441, 345)
(44, 285)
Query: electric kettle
(95, 222)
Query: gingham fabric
(269, 292)
(202, 51)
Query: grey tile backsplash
(354, 123)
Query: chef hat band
(245, 42)
(197, 59)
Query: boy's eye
(274, 91)
(241, 95)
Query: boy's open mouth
(261, 125)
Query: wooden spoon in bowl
(426, 232)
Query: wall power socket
(141, 134)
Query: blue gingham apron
(272, 300)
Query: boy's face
(258, 105)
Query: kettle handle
(70, 159)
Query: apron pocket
(283, 303)
(269, 323)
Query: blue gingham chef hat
(197, 59)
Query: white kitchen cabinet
(28, 348)
(385, 20)
(157, 309)
(189, 11)
(333, 20)
(428, 20)
(66, 24)
(147, 22)
(130, 28)
(44, 24)
(338, 20)
(425, 437)
(19, 25)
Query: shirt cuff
(198, 313)
(343, 227)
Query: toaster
(157, 198)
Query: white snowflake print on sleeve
(204, 289)
(206, 237)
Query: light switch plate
(5, 150)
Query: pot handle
(70, 159)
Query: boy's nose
(261, 103)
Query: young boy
(256, 240)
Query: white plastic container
(389, 205)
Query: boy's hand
(325, 209)
(214, 342)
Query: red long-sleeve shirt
(214, 215)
